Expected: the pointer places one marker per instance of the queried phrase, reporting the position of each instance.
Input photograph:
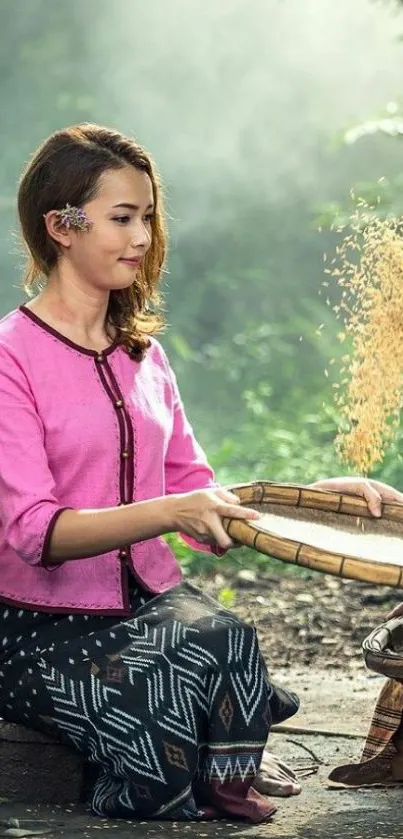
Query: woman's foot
(275, 777)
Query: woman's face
(108, 255)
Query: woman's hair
(66, 170)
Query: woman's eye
(148, 219)
(121, 219)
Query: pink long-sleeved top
(80, 430)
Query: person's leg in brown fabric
(381, 761)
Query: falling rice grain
(370, 274)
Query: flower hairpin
(74, 218)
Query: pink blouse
(81, 429)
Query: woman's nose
(141, 236)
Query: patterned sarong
(172, 705)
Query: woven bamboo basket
(383, 649)
(322, 530)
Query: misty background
(261, 115)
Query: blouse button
(119, 403)
(100, 357)
(124, 455)
(123, 554)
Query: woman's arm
(83, 533)
(186, 465)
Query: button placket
(126, 441)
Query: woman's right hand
(199, 514)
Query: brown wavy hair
(66, 169)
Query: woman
(103, 645)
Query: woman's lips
(134, 263)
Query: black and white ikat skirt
(173, 705)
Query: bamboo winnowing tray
(323, 530)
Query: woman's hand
(199, 514)
(374, 492)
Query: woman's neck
(78, 318)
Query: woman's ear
(56, 229)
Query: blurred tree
(43, 67)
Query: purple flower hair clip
(74, 218)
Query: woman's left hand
(374, 492)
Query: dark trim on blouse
(126, 452)
(114, 398)
(50, 566)
(66, 610)
(130, 463)
(45, 326)
(124, 581)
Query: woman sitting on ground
(103, 644)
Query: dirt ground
(312, 621)
(310, 631)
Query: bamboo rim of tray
(258, 493)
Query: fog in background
(242, 93)
(243, 104)
(237, 95)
